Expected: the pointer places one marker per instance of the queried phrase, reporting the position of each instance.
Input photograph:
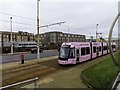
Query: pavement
(10, 65)
(69, 78)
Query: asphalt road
(29, 56)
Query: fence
(21, 84)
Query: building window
(65, 35)
(61, 35)
(44, 35)
(72, 35)
(41, 35)
(0, 37)
(52, 37)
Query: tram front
(67, 55)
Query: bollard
(22, 58)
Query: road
(10, 58)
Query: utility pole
(96, 31)
(11, 35)
(90, 38)
(68, 35)
(38, 39)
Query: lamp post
(96, 31)
(38, 39)
(68, 35)
(11, 35)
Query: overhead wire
(16, 22)
(17, 16)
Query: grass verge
(102, 74)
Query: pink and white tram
(105, 48)
(114, 47)
(74, 52)
(96, 49)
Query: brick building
(5, 38)
(55, 39)
(49, 40)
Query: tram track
(41, 69)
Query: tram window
(100, 48)
(113, 46)
(87, 50)
(94, 49)
(82, 51)
(72, 55)
(105, 47)
(77, 51)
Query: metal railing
(116, 82)
(21, 84)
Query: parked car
(34, 50)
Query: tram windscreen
(66, 52)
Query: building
(5, 39)
(55, 39)
(49, 40)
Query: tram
(76, 52)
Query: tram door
(97, 51)
(77, 55)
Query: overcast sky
(81, 16)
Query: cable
(17, 22)
(17, 16)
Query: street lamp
(11, 35)
(38, 39)
(68, 35)
(96, 31)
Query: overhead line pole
(38, 39)
(68, 35)
(96, 31)
(11, 35)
